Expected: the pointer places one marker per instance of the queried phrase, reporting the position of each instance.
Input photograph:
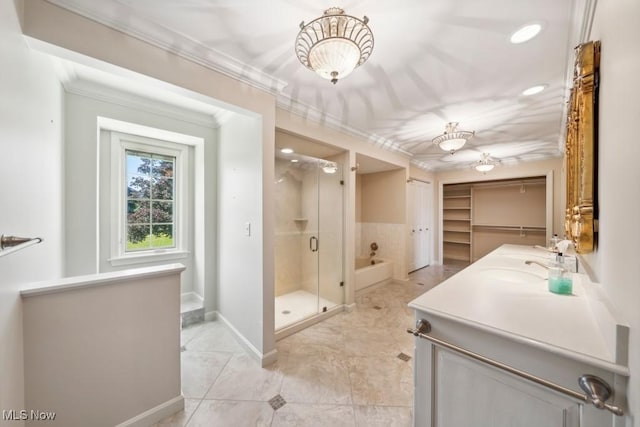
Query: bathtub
(367, 274)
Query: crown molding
(98, 92)
(322, 117)
(188, 48)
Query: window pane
(162, 166)
(138, 237)
(163, 189)
(138, 163)
(162, 212)
(138, 212)
(162, 236)
(138, 187)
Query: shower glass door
(330, 229)
(309, 241)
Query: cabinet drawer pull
(597, 391)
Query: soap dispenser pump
(560, 281)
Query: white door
(411, 261)
(420, 195)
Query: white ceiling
(433, 62)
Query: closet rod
(509, 184)
(510, 227)
(419, 180)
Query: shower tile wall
(391, 243)
(289, 206)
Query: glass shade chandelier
(334, 44)
(452, 139)
(485, 164)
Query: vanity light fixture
(334, 44)
(452, 139)
(286, 151)
(534, 90)
(485, 164)
(526, 33)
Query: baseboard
(350, 307)
(262, 359)
(374, 286)
(156, 414)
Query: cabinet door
(472, 394)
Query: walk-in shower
(309, 238)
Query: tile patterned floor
(344, 371)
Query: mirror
(581, 145)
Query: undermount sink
(509, 275)
(525, 256)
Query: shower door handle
(313, 244)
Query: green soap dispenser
(560, 281)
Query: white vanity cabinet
(518, 328)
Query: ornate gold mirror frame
(581, 144)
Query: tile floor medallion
(353, 369)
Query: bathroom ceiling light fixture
(534, 90)
(452, 139)
(526, 33)
(485, 164)
(286, 151)
(330, 167)
(334, 44)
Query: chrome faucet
(529, 262)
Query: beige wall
(615, 260)
(358, 198)
(384, 197)
(105, 349)
(421, 174)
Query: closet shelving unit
(477, 217)
(456, 216)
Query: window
(150, 200)
(150, 183)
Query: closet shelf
(456, 197)
(458, 242)
(456, 219)
(466, 208)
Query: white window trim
(121, 142)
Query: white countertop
(503, 295)
(100, 279)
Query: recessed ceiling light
(525, 33)
(286, 151)
(533, 90)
